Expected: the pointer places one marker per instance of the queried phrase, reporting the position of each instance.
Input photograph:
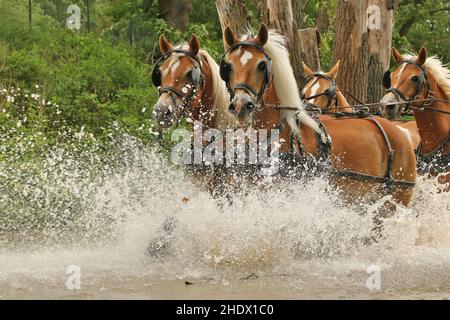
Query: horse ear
(307, 70)
(194, 44)
(334, 71)
(422, 57)
(229, 36)
(263, 34)
(397, 56)
(164, 45)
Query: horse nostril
(232, 107)
(250, 106)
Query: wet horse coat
(180, 95)
(358, 145)
(322, 92)
(419, 78)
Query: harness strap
(297, 148)
(389, 179)
(324, 151)
(423, 78)
(323, 148)
(368, 177)
(171, 90)
(330, 92)
(185, 52)
(247, 88)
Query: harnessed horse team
(254, 87)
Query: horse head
(406, 83)
(179, 77)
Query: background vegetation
(51, 77)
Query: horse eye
(262, 65)
(415, 78)
(189, 75)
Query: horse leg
(444, 180)
(400, 195)
(160, 246)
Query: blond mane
(220, 96)
(286, 84)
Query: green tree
(424, 23)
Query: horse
(321, 91)
(423, 84)
(364, 153)
(189, 85)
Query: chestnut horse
(366, 153)
(321, 91)
(189, 85)
(423, 84)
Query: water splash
(82, 205)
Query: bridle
(225, 70)
(429, 99)
(330, 92)
(197, 79)
(421, 80)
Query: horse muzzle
(164, 115)
(242, 107)
(390, 111)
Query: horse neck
(204, 112)
(434, 127)
(270, 118)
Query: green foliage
(93, 80)
(82, 80)
(423, 23)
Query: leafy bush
(91, 81)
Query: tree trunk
(297, 12)
(279, 16)
(351, 46)
(261, 8)
(309, 46)
(233, 14)
(176, 12)
(323, 19)
(380, 42)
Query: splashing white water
(110, 217)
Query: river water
(67, 234)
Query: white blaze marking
(400, 73)
(314, 89)
(175, 66)
(246, 57)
